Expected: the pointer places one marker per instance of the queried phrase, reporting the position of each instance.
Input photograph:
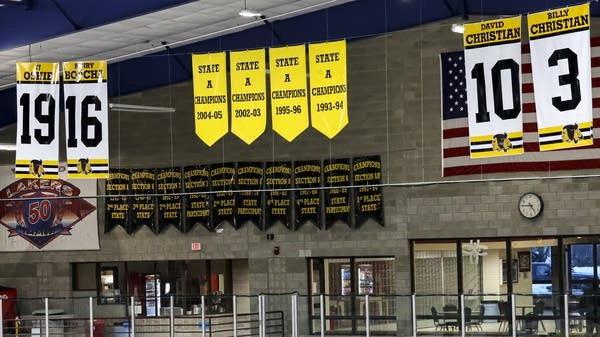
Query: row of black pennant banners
(262, 193)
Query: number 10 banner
(86, 109)
(560, 62)
(37, 120)
(493, 76)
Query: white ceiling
(142, 35)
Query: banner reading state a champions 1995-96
(86, 109)
(493, 76)
(561, 69)
(37, 120)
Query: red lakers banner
(289, 101)
(35, 218)
(86, 110)
(37, 120)
(328, 87)
(211, 112)
(248, 94)
(561, 67)
(493, 65)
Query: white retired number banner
(37, 120)
(86, 109)
(493, 69)
(561, 68)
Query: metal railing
(301, 315)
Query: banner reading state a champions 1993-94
(561, 69)
(493, 69)
(328, 87)
(37, 120)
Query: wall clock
(531, 205)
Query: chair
(477, 323)
(530, 322)
(505, 319)
(539, 311)
(436, 320)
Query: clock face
(530, 205)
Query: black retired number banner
(493, 65)
(142, 207)
(37, 120)
(168, 181)
(249, 205)
(197, 200)
(222, 178)
(337, 200)
(307, 178)
(86, 109)
(368, 198)
(116, 207)
(277, 205)
(561, 69)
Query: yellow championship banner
(211, 112)
(37, 120)
(289, 100)
(86, 115)
(248, 94)
(492, 32)
(328, 87)
(558, 21)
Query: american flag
(455, 126)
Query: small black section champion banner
(278, 176)
(222, 178)
(307, 178)
(336, 173)
(168, 182)
(116, 207)
(196, 183)
(368, 199)
(249, 206)
(142, 207)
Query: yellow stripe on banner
(37, 169)
(289, 99)
(37, 72)
(492, 32)
(328, 87)
(557, 21)
(91, 161)
(211, 112)
(248, 94)
(102, 175)
(488, 138)
(46, 162)
(492, 153)
(559, 128)
(84, 71)
(564, 137)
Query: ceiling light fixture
(248, 13)
(139, 108)
(458, 28)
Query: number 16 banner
(86, 108)
(37, 120)
(560, 62)
(493, 76)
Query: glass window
(109, 285)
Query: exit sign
(196, 246)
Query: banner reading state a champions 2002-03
(493, 69)
(561, 68)
(86, 109)
(37, 120)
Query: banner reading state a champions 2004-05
(328, 87)
(86, 109)
(493, 69)
(561, 69)
(248, 94)
(211, 113)
(37, 120)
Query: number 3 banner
(493, 66)
(37, 120)
(86, 108)
(560, 62)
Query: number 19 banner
(86, 122)
(37, 120)
(493, 66)
(560, 65)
